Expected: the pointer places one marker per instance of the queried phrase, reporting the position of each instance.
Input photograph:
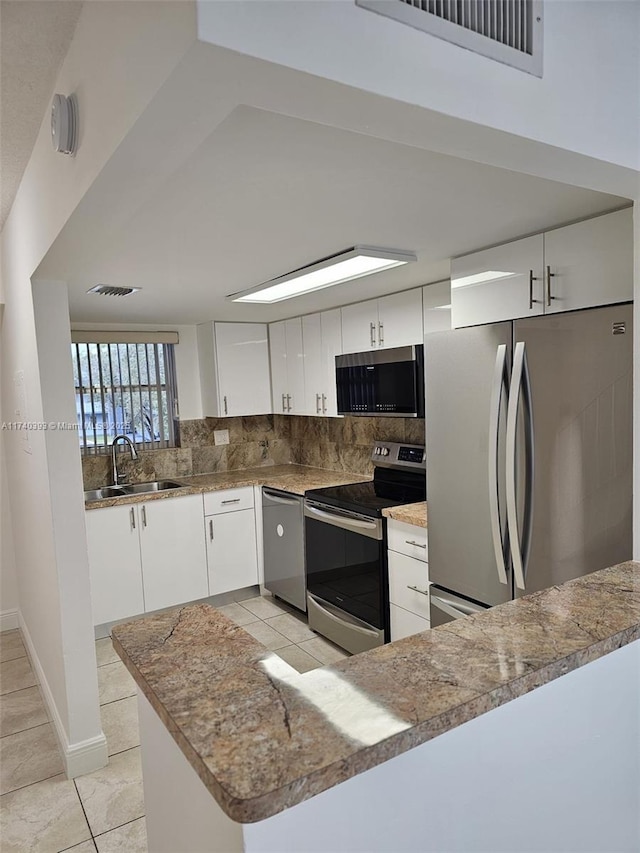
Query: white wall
(121, 54)
(186, 355)
(587, 100)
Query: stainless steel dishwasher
(283, 534)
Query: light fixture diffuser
(336, 269)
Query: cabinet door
(114, 563)
(360, 326)
(589, 263)
(400, 319)
(174, 562)
(313, 373)
(331, 325)
(243, 369)
(295, 367)
(502, 283)
(405, 624)
(231, 551)
(436, 307)
(278, 354)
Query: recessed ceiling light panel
(336, 269)
(110, 290)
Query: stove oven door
(347, 598)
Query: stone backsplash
(262, 440)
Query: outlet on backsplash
(221, 436)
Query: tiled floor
(42, 811)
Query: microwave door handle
(500, 380)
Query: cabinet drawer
(407, 539)
(228, 500)
(405, 573)
(405, 624)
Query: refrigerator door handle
(520, 548)
(454, 608)
(499, 386)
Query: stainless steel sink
(103, 494)
(155, 486)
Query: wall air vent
(108, 290)
(509, 31)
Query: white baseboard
(9, 620)
(79, 758)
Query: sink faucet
(134, 454)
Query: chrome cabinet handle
(417, 544)
(211, 529)
(133, 518)
(499, 386)
(324, 404)
(288, 402)
(373, 333)
(317, 404)
(550, 275)
(519, 381)
(381, 334)
(417, 589)
(231, 501)
(284, 404)
(532, 278)
(144, 516)
(226, 411)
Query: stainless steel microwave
(387, 382)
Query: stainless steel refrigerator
(529, 455)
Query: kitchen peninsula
(416, 745)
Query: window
(125, 388)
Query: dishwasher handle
(279, 498)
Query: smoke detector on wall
(64, 124)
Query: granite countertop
(263, 738)
(415, 514)
(296, 479)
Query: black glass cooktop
(387, 489)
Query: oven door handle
(372, 528)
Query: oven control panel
(390, 454)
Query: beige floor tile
(264, 608)
(238, 614)
(105, 653)
(42, 818)
(113, 796)
(29, 757)
(16, 675)
(11, 646)
(114, 682)
(120, 724)
(130, 838)
(323, 650)
(298, 658)
(293, 627)
(20, 710)
(267, 635)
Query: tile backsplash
(261, 440)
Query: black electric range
(346, 547)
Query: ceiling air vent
(109, 290)
(509, 31)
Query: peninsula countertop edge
(263, 738)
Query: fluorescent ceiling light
(479, 277)
(345, 266)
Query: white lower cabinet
(174, 562)
(232, 555)
(115, 566)
(408, 580)
(144, 557)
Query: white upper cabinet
(503, 283)
(436, 307)
(287, 367)
(322, 341)
(234, 369)
(391, 321)
(589, 263)
(577, 266)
